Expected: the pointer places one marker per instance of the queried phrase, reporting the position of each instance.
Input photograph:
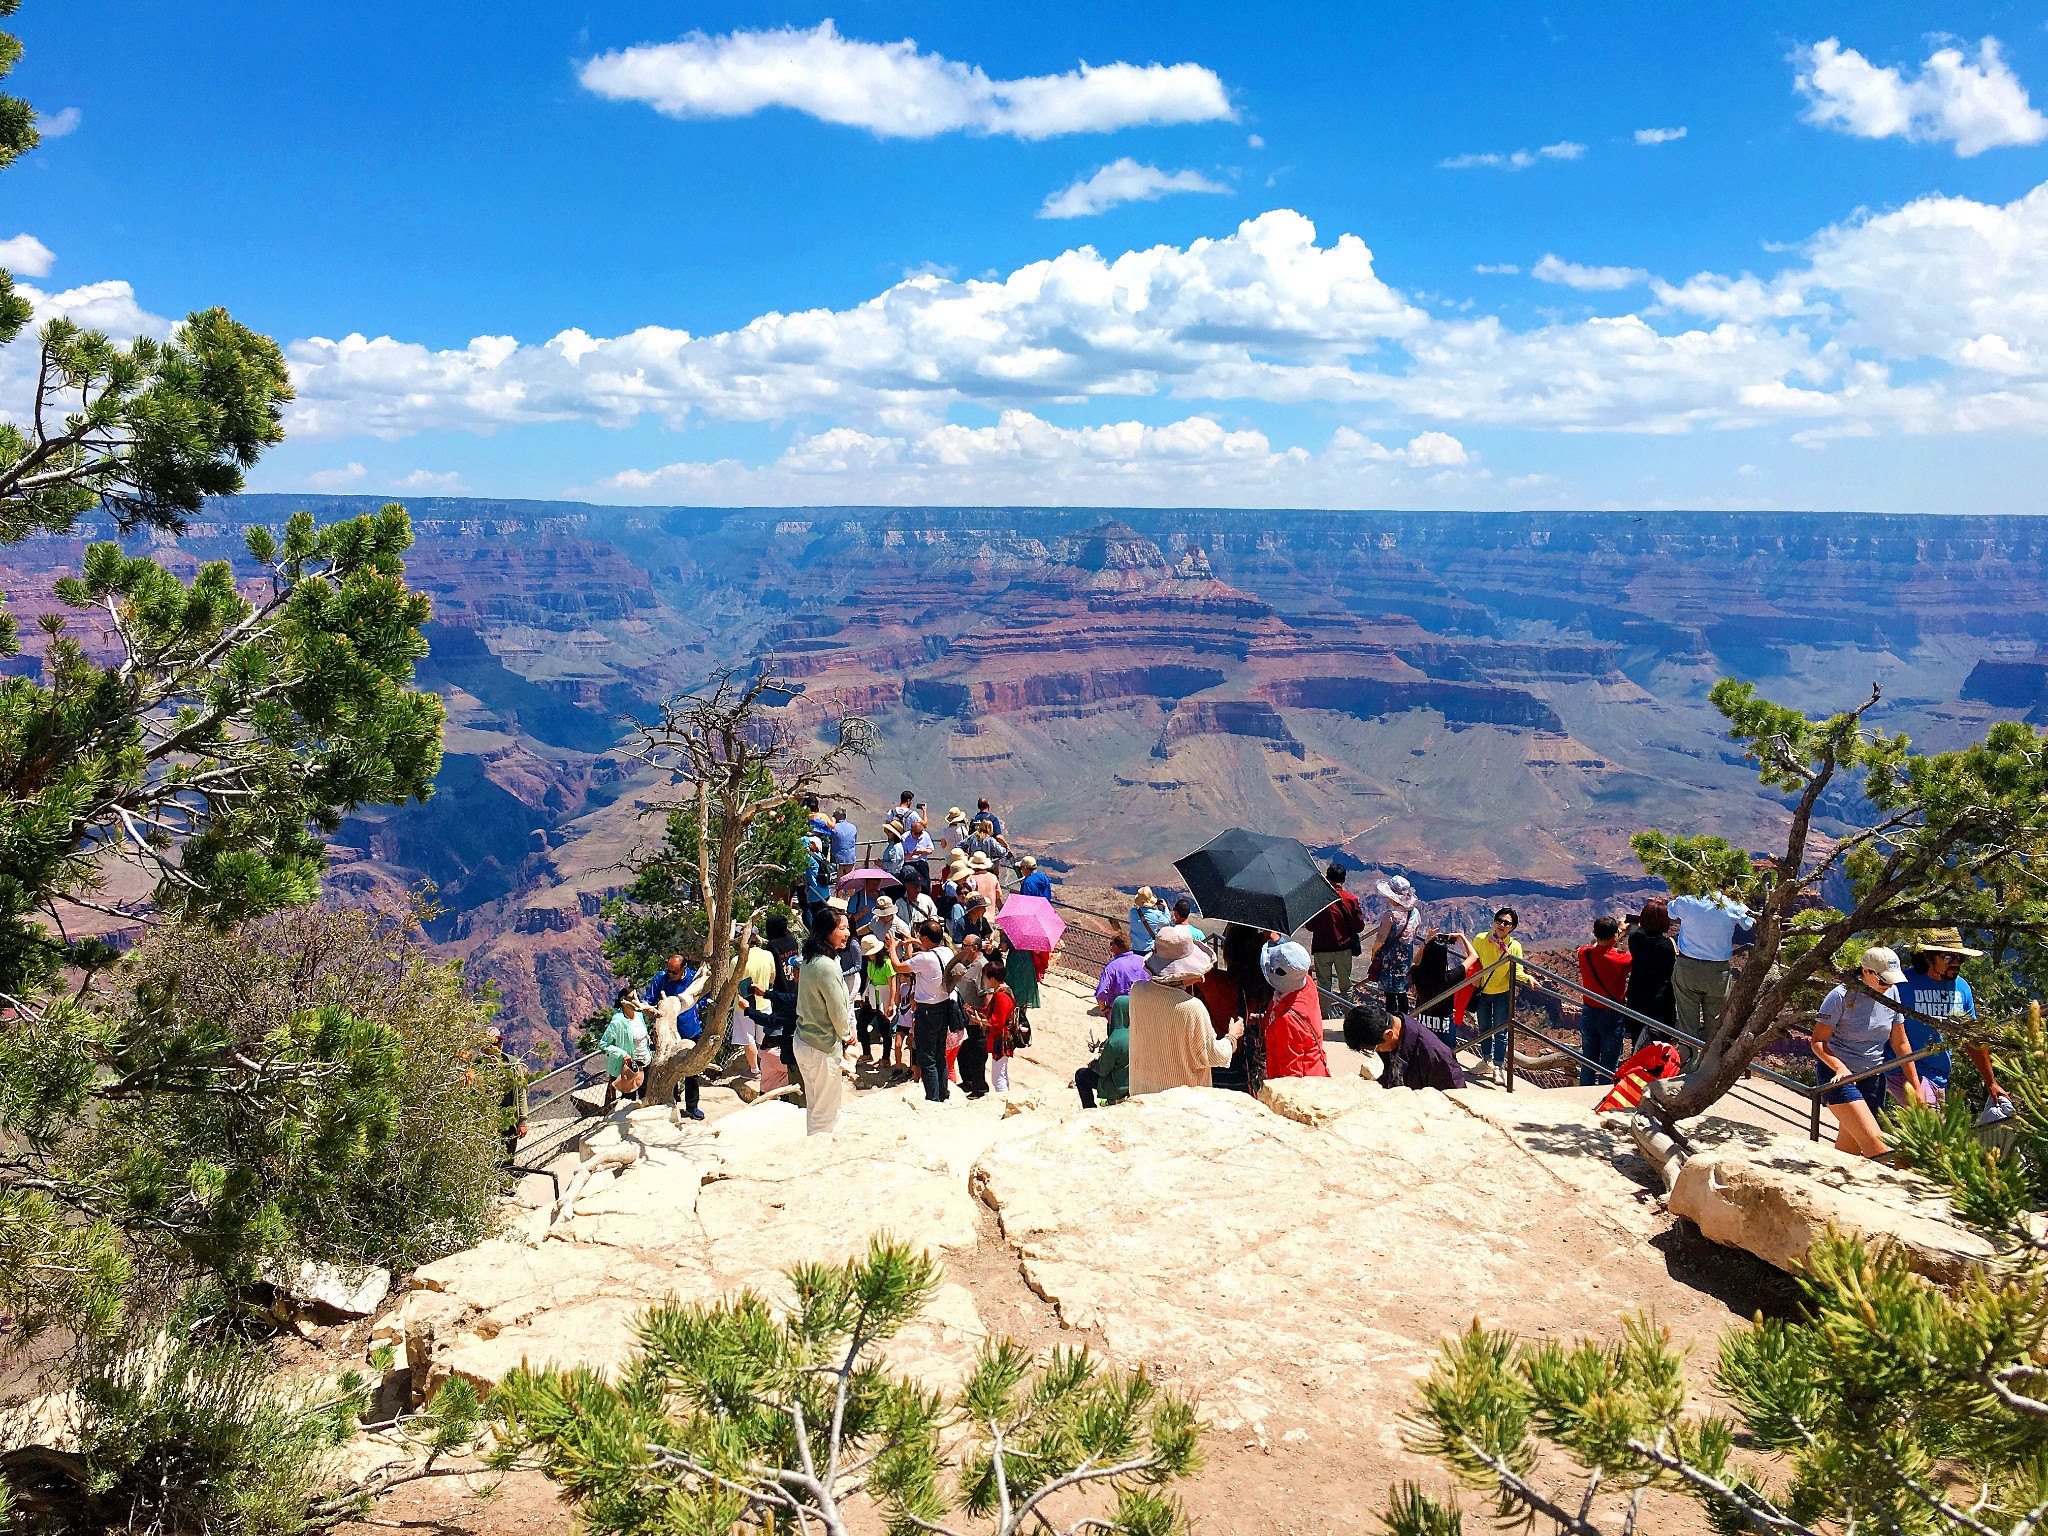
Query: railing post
(1813, 1129)
(1514, 980)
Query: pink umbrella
(870, 879)
(1031, 923)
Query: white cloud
(1929, 318)
(108, 306)
(447, 483)
(1258, 312)
(336, 479)
(57, 124)
(1122, 181)
(1256, 142)
(1974, 105)
(1658, 135)
(894, 90)
(1498, 269)
(1023, 458)
(1515, 160)
(27, 255)
(1551, 270)
(1743, 299)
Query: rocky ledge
(1294, 1263)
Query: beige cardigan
(1172, 1042)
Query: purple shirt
(1119, 976)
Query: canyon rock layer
(1489, 703)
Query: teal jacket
(1112, 1063)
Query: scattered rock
(333, 1292)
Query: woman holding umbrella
(1033, 931)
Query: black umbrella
(1262, 882)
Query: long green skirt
(1021, 972)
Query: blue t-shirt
(665, 985)
(995, 822)
(1145, 925)
(845, 844)
(1943, 1000)
(815, 889)
(1037, 883)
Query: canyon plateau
(1489, 703)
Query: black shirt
(1420, 1060)
(1651, 956)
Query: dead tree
(732, 758)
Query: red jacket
(1333, 928)
(1294, 1035)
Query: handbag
(631, 1078)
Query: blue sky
(423, 176)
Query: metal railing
(1815, 1094)
(554, 1122)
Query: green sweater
(824, 1010)
(1112, 1063)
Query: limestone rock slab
(1776, 1212)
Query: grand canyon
(1488, 703)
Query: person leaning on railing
(1494, 995)
(1856, 1033)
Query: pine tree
(734, 1415)
(1936, 840)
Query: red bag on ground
(1658, 1059)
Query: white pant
(999, 1074)
(823, 1087)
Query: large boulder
(1775, 1207)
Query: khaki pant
(1700, 989)
(824, 1086)
(1333, 972)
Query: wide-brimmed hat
(1146, 897)
(836, 903)
(980, 862)
(885, 908)
(976, 899)
(1945, 941)
(1885, 962)
(1286, 967)
(1175, 954)
(870, 946)
(955, 817)
(1399, 890)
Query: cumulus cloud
(56, 124)
(1552, 270)
(108, 306)
(27, 255)
(895, 90)
(1257, 313)
(1927, 318)
(1975, 106)
(1122, 181)
(1514, 160)
(1658, 135)
(1024, 458)
(445, 483)
(336, 479)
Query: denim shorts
(1847, 1093)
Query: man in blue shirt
(685, 984)
(1934, 986)
(983, 813)
(845, 840)
(1035, 882)
(1706, 948)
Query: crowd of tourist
(899, 969)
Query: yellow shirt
(1488, 952)
(760, 970)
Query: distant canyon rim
(1490, 703)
